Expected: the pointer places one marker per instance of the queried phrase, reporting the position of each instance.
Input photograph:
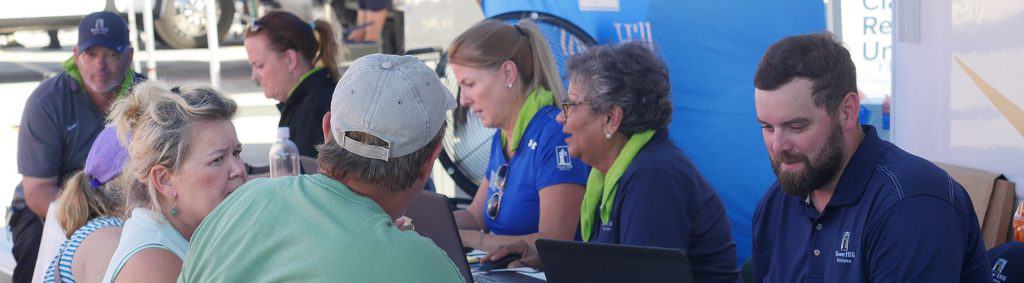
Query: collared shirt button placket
(817, 261)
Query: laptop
(570, 261)
(431, 214)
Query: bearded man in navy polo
(848, 206)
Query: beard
(816, 173)
(102, 87)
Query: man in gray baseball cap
(383, 134)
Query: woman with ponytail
(296, 63)
(90, 210)
(532, 189)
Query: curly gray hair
(630, 76)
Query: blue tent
(712, 49)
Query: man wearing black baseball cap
(61, 119)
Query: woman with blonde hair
(533, 189)
(183, 161)
(90, 210)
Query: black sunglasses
(494, 202)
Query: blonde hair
(80, 202)
(158, 119)
(490, 43)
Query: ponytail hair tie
(519, 30)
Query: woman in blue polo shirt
(643, 191)
(533, 189)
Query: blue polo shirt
(542, 160)
(664, 201)
(894, 217)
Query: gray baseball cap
(395, 98)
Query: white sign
(867, 29)
(959, 96)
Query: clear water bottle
(284, 156)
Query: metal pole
(147, 22)
(834, 15)
(213, 42)
(328, 13)
(133, 33)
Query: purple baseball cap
(106, 158)
(104, 29)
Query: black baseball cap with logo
(106, 29)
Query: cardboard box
(993, 198)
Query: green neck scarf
(601, 188)
(72, 69)
(303, 78)
(538, 98)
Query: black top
(304, 111)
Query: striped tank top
(61, 264)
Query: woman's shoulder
(149, 228)
(152, 264)
(98, 227)
(319, 89)
(546, 124)
(548, 115)
(104, 221)
(664, 162)
(102, 241)
(659, 153)
(106, 236)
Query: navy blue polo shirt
(894, 217)
(58, 126)
(664, 201)
(541, 160)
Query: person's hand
(526, 250)
(404, 223)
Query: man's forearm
(39, 197)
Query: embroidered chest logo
(100, 28)
(997, 270)
(562, 157)
(844, 254)
(532, 144)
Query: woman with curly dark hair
(642, 190)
